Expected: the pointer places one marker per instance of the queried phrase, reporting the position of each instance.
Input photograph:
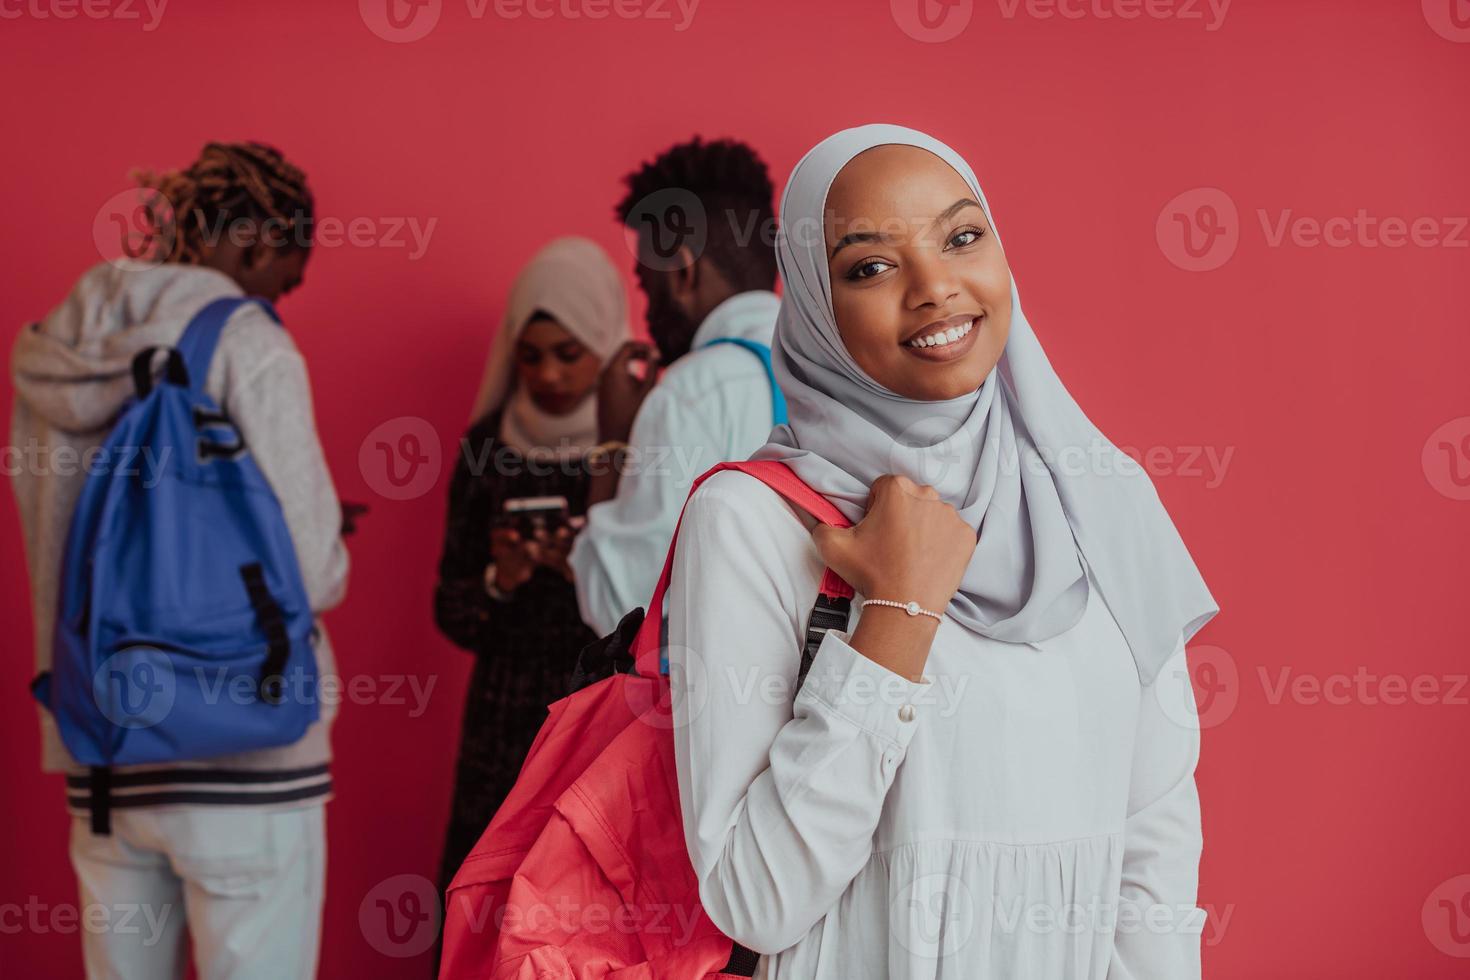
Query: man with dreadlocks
(704, 221)
(230, 851)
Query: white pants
(244, 884)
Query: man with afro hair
(703, 218)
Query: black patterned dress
(524, 648)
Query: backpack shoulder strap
(778, 400)
(834, 593)
(201, 336)
(830, 611)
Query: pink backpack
(583, 872)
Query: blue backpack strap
(201, 336)
(778, 400)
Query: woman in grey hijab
(1006, 734)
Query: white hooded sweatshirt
(72, 374)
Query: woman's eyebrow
(855, 238)
(956, 208)
(871, 236)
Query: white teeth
(943, 337)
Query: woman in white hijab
(990, 774)
(505, 590)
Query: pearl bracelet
(910, 607)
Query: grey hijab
(1049, 496)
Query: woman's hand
(552, 549)
(910, 545)
(515, 558)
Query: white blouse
(1029, 813)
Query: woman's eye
(569, 356)
(867, 270)
(528, 356)
(969, 236)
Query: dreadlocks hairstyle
(230, 184)
(731, 183)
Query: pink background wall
(1288, 389)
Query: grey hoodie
(72, 373)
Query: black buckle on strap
(829, 613)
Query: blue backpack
(183, 628)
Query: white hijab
(1017, 458)
(573, 281)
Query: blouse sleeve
(781, 796)
(1159, 924)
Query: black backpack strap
(273, 623)
(100, 801)
(742, 962)
(174, 371)
(830, 613)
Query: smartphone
(527, 515)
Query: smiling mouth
(948, 336)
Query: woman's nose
(931, 282)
